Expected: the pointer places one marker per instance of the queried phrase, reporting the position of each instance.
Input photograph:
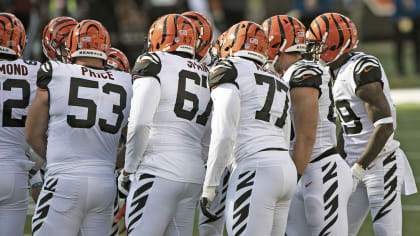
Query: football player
(54, 38)
(368, 119)
(83, 107)
(170, 111)
(319, 204)
(205, 36)
(117, 60)
(250, 111)
(17, 90)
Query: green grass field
(408, 133)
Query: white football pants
(68, 205)
(319, 204)
(379, 190)
(14, 196)
(259, 193)
(157, 206)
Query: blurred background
(389, 29)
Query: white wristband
(386, 120)
(209, 192)
(357, 170)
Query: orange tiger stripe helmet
(215, 51)
(117, 60)
(89, 38)
(205, 35)
(12, 35)
(332, 35)
(285, 34)
(172, 33)
(246, 39)
(55, 35)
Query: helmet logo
(253, 40)
(85, 39)
(183, 32)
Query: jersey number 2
(9, 104)
(91, 106)
(273, 86)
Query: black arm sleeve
(307, 76)
(44, 75)
(148, 64)
(223, 72)
(367, 70)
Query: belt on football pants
(272, 149)
(325, 154)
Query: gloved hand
(208, 195)
(124, 184)
(38, 160)
(357, 173)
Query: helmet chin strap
(270, 64)
(342, 50)
(206, 60)
(325, 63)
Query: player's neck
(340, 61)
(89, 61)
(294, 59)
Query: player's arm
(37, 123)
(304, 94)
(368, 87)
(37, 120)
(368, 81)
(146, 97)
(379, 113)
(305, 114)
(224, 127)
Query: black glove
(205, 208)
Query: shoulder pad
(44, 75)
(367, 70)
(306, 76)
(148, 64)
(224, 71)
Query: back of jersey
(310, 74)
(174, 147)
(264, 106)
(357, 127)
(17, 90)
(88, 109)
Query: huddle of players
(259, 100)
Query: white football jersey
(174, 149)
(306, 73)
(17, 90)
(357, 127)
(88, 109)
(264, 105)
